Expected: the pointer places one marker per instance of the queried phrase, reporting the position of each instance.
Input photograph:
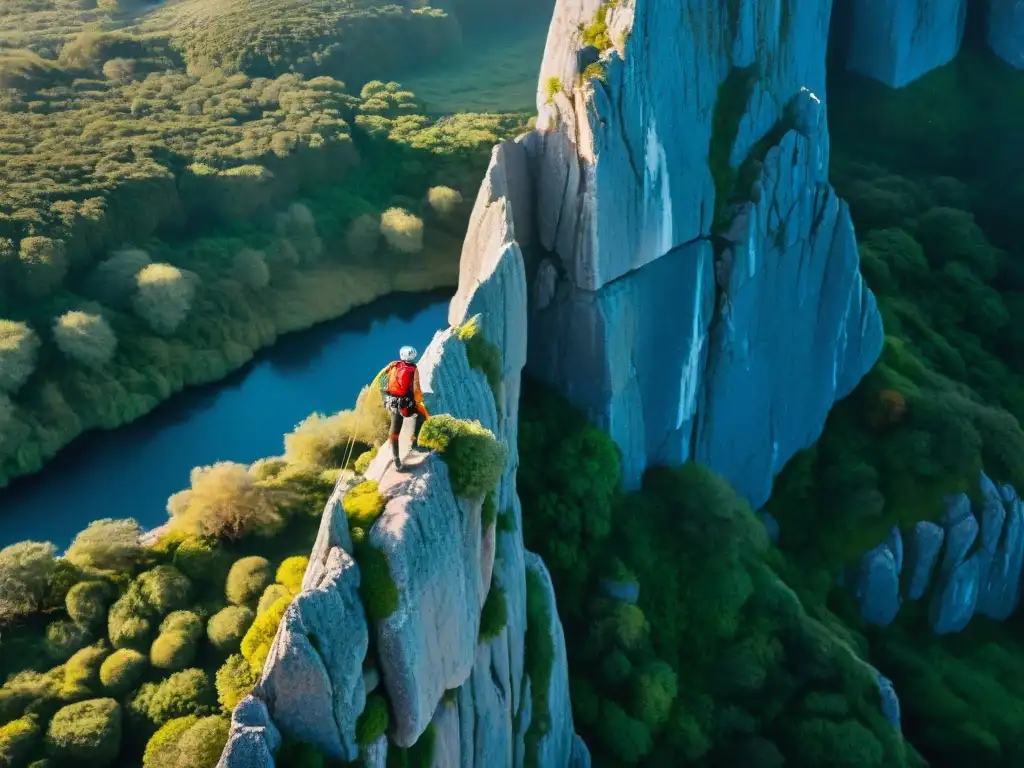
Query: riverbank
(65, 409)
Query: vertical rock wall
(328, 654)
(699, 292)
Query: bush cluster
(474, 456)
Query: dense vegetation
(161, 217)
(123, 652)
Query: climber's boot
(394, 453)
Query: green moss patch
(494, 615)
(373, 721)
(376, 587)
(540, 659)
(363, 504)
(483, 355)
(473, 454)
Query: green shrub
(188, 692)
(552, 87)
(197, 558)
(444, 200)
(162, 747)
(128, 623)
(87, 602)
(247, 579)
(17, 740)
(19, 347)
(235, 680)
(63, 638)
(363, 504)
(226, 502)
(185, 622)
(402, 231)
(474, 456)
(110, 545)
(172, 651)
(86, 732)
(373, 722)
(366, 458)
(164, 588)
(483, 355)
(654, 692)
(202, 744)
(82, 670)
(494, 614)
(539, 657)
(121, 670)
(329, 441)
(25, 572)
(291, 571)
(271, 595)
(259, 637)
(376, 587)
(227, 627)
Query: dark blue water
(130, 471)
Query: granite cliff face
(899, 41)
(667, 251)
(690, 238)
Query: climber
(399, 384)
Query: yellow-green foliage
(596, 33)
(328, 441)
(235, 680)
(129, 623)
(188, 692)
(257, 640)
(373, 721)
(482, 355)
(197, 558)
(17, 739)
(247, 579)
(291, 572)
(187, 741)
(362, 464)
(121, 670)
(164, 296)
(63, 638)
(363, 236)
(19, 346)
(376, 586)
(85, 338)
(226, 502)
(474, 456)
(494, 615)
(271, 595)
(552, 87)
(363, 504)
(25, 572)
(114, 545)
(402, 230)
(175, 647)
(86, 732)
(82, 670)
(87, 602)
(444, 200)
(164, 588)
(227, 627)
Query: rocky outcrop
(898, 41)
(964, 566)
(669, 338)
(426, 657)
(1006, 31)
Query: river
(130, 471)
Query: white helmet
(407, 354)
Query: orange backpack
(401, 379)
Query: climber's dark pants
(416, 412)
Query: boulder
(922, 555)
(313, 678)
(956, 596)
(376, 754)
(1000, 592)
(252, 739)
(878, 586)
(898, 41)
(1006, 31)
(890, 701)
